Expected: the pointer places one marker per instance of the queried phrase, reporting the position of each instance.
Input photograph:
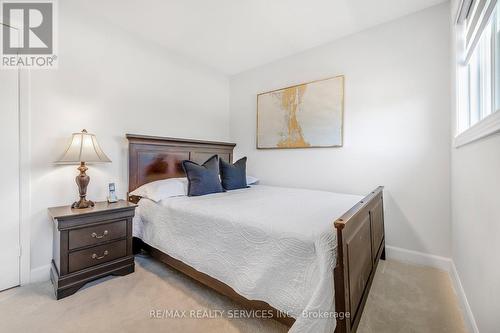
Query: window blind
(474, 15)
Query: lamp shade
(83, 148)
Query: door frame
(24, 152)
(24, 105)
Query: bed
(254, 246)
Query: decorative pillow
(252, 180)
(203, 179)
(162, 189)
(233, 176)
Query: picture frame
(306, 115)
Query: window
(479, 72)
(479, 69)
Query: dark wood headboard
(154, 158)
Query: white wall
(396, 119)
(110, 83)
(475, 170)
(476, 227)
(397, 124)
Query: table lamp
(83, 149)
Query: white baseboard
(442, 263)
(470, 321)
(40, 274)
(418, 258)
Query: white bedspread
(268, 243)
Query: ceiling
(235, 35)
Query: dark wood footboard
(361, 244)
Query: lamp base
(82, 203)
(82, 180)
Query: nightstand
(90, 243)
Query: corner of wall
(469, 318)
(40, 274)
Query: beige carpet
(404, 298)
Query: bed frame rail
(360, 246)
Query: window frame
(488, 122)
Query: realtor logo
(28, 34)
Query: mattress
(272, 244)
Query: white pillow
(162, 189)
(252, 180)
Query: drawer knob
(94, 235)
(94, 256)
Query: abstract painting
(303, 116)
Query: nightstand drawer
(97, 234)
(97, 255)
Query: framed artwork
(307, 115)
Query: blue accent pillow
(203, 179)
(234, 176)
